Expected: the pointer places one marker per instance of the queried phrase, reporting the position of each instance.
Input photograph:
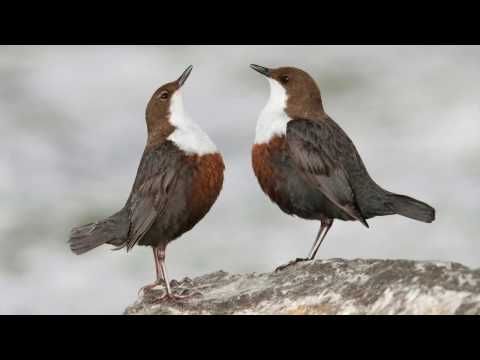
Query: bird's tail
(412, 208)
(112, 230)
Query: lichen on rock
(329, 287)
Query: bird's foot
(175, 296)
(293, 262)
(149, 288)
(180, 290)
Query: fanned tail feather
(112, 230)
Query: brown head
(159, 108)
(303, 94)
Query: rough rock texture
(332, 286)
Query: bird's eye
(163, 95)
(284, 79)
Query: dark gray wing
(323, 154)
(155, 182)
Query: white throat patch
(273, 119)
(188, 136)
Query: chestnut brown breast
(207, 182)
(265, 162)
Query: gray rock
(334, 286)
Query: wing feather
(153, 188)
(321, 151)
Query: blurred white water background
(73, 130)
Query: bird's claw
(293, 262)
(181, 290)
(173, 284)
(183, 295)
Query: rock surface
(332, 286)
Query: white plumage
(188, 136)
(273, 119)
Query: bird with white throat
(308, 165)
(178, 180)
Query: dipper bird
(178, 180)
(309, 166)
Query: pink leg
(325, 225)
(159, 279)
(160, 255)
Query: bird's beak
(181, 80)
(262, 70)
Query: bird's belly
(281, 181)
(197, 190)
